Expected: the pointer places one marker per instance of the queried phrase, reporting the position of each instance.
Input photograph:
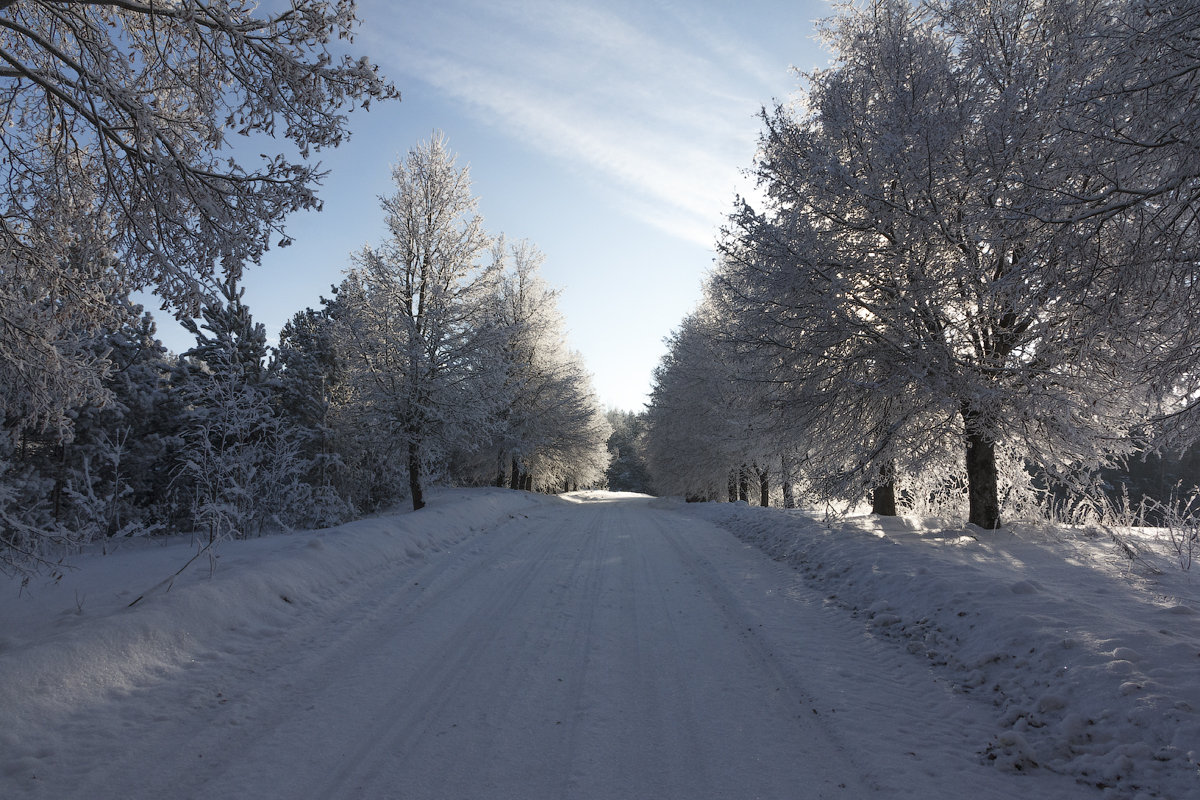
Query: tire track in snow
(776, 670)
(248, 681)
(415, 708)
(480, 677)
(718, 667)
(249, 704)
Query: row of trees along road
(973, 264)
(440, 356)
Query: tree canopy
(976, 251)
(116, 167)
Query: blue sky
(611, 134)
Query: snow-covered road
(605, 649)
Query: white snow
(501, 644)
(1092, 663)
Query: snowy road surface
(575, 650)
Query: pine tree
(239, 463)
(305, 375)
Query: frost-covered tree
(50, 316)
(816, 378)
(551, 431)
(708, 431)
(305, 376)
(1134, 126)
(913, 255)
(305, 365)
(577, 456)
(421, 352)
(681, 455)
(111, 476)
(117, 465)
(29, 535)
(116, 120)
(1132, 114)
(627, 471)
(571, 445)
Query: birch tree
(421, 351)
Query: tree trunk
(527, 484)
(514, 482)
(732, 485)
(744, 484)
(414, 476)
(982, 481)
(785, 479)
(764, 487)
(883, 497)
(500, 470)
(60, 483)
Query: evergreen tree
(110, 476)
(119, 460)
(305, 375)
(240, 463)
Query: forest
(964, 285)
(440, 357)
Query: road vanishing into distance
(612, 648)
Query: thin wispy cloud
(658, 103)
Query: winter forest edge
(965, 291)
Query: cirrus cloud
(657, 101)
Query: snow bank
(68, 644)
(1093, 669)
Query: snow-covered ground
(505, 645)
(1090, 662)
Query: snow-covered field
(500, 644)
